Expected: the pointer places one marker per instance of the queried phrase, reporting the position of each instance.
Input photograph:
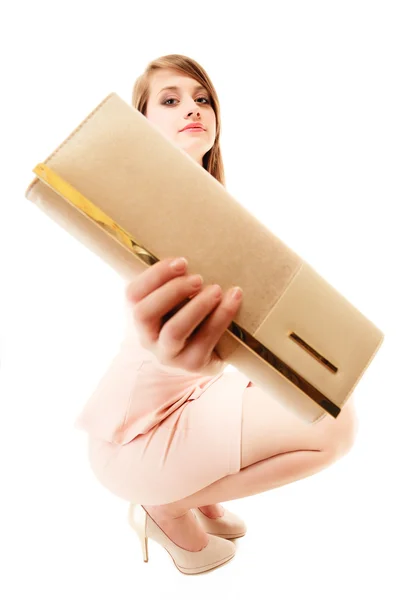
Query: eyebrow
(175, 87)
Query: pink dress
(158, 434)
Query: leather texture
(166, 201)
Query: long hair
(212, 160)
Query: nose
(193, 107)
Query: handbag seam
(301, 265)
(74, 132)
(363, 368)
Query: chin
(195, 157)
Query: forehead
(169, 78)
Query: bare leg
(264, 475)
(277, 448)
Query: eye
(168, 100)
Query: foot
(213, 511)
(184, 530)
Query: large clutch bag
(131, 196)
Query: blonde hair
(212, 160)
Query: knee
(343, 431)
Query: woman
(169, 430)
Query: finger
(178, 329)
(150, 312)
(177, 308)
(151, 279)
(207, 336)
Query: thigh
(195, 445)
(269, 428)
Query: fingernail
(217, 291)
(196, 280)
(179, 264)
(236, 293)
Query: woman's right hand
(177, 319)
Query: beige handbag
(133, 198)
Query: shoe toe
(217, 552)
(229, 525)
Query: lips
(193, 126)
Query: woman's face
(170, 110)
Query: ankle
(212, 511)
(164, 512)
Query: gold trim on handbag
(85, 206)
(279, 337)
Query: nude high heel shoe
(217, 552)
(229, 526)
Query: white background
(310, 102)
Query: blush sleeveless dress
(157, 434)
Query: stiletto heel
(217, 552)
(137, 520)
